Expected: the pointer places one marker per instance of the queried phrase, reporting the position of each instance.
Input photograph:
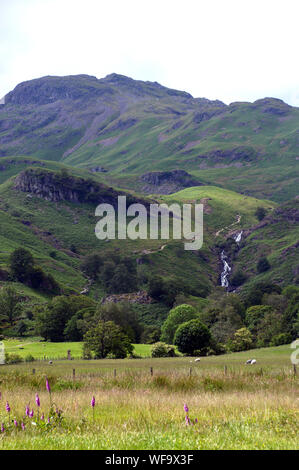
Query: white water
(226, 270)
(226, 267)
(238, 237)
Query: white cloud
(230, 50)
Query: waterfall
(226, 270)
(226, 267)
(238, 237)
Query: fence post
(152, 372)
(114, 373)
(190, 371)
(74, 374)
(295, 370)
(225, 370)
(33, 371)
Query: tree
(123, 315)
(192, 335)
(176, 317)
(228, 321)
(254, 316)
(21, 264)
(51, 322)
(91, 265)
(238, 279)
(257, 291)
(10, 305)
(260, 213)
(269, 327)
(263, 265)
(107, 338)
(242, 340)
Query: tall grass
(239, 409)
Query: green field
(48, 350)
(237, 406)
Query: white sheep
(50, 362)
(251, 361)
(197, 359)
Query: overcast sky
(232, 50)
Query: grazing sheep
(253, 361)
(50, 362)
(248, 362)
(197, 359)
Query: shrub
(29, 358)
(238, 279)
(161, 349)
(263, 265)
(260, 213)
(282, 338)
(13, 358)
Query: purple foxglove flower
(23, 426)
(186, 408)
(93, 402)
(48, 385)
(42, 417)
(187, 419)
(48, 420)
(196, 420)
(2, 427)
(7, 407)
(27, 411)
(37, 400)
(16, 423)
(31, 413)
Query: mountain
(124, 129)
(69, 143)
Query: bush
(282, 338)
(260, 213)
(29, 358)
(238, 279)
(263, 265)
(13, 358)
(161, 349)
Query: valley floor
(236, 407)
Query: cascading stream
(226, 270)
(226, 267)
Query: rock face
(167, 182)
(140, 297)
(56, 187)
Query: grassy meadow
(237, 406)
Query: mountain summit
(132, 127)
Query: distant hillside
(129, 127)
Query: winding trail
(234, 223)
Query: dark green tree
(260, 213)
(176, 317)
(192, 335)
(263, 265)
(107, 338)
(10, 304)
(21, 264)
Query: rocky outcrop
(167, 182)
(56, 187)
(140, 297)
